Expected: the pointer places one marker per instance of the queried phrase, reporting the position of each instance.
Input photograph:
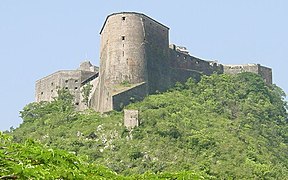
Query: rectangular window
(123, 18)
(123, 38)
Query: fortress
(135, 60)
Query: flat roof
(141, 14)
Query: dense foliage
(221, 127)
(31, 160)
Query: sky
(38, 38)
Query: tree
(86, 93)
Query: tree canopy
(224, 126)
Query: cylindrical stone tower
(122, 50)
(133, 52)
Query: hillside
(31, 160)
(222, 127)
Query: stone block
(131, 118)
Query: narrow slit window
(123, 18)
(123, 38)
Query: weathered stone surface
(265, 72)
(131, 118)
(135, 60)
(72, 80)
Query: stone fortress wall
(184, 65)
(265, 72)
(72, 80)
(136, 60)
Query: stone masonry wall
(131, 118)
(46, 88)
(157, 55)
(134, 51)
(265, 72)
(184, 66)
(72, 80)
(134, 94)
(236, 69)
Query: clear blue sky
(38, 38)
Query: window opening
(123, 18)
(123, 38)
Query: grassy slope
(224, 126)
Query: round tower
(133, 52)
(122, 49)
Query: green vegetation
(86, 91)
(31, 160)
(125, 83)
(228, 127)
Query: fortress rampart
(136, 60)
(265, 72)
(72, 80)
